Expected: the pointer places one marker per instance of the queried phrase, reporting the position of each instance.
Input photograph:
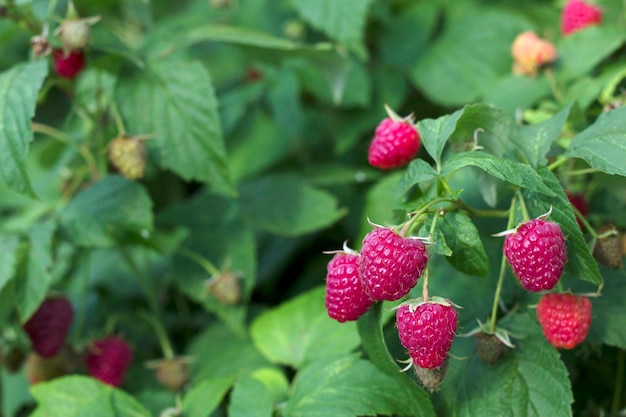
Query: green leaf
(434, 133)
(299, 331)
(262, 145)
(9, 252)
(348, 387)
(488, 125)
(581, 51)
(461, 236)
(504, 169)
(534, 141)
(223, 239)
(177, 103)
(580, 262)
(104, 213)
(380, 201)
(531, 381)
(19, 88)
(416, 22)
(32, 287)
(84, 396)
(256, 394)
(515, 92)
(288, 206)
(233, 356)
(204, 397)
(472, 53)
(609, 315)
(284, 99)
(343, 20)
(417, 172)
(603, 144)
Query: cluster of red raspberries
(387, 268)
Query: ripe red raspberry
(427, 331)
(108, 359)
(346, 299)
(395, 143)
(564, 318)
(69, 64)
(390, 265)
(537, 254)
(49, 326)
(577, 15)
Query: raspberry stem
(69, 141)
(164, 341)
(121, 130)
(141, 279)
(418, 214)
(200, 260)
(496, 298)
(553, 85)
(522, 204)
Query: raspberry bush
(177, 180)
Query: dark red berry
(108, 359)
(49, 326)
(68, 64)
(390, 265)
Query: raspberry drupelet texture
(537, 254)
(346, 299)
(390, 265)
(395, 143)
(564, 318)
(48, 328)
(427, 332)
(577, 15)
(108, 359)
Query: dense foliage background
(257, 116)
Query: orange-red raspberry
(564, 318)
